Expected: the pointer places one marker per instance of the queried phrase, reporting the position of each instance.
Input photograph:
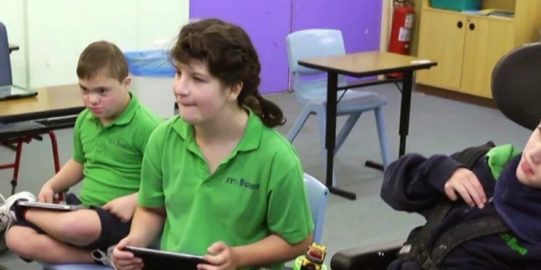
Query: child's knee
(20, 240)
(78, 227)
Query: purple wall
(360, 21)
(269, 22)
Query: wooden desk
(363, 65)
(55, 101)
(25, 118)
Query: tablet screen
(50, 206)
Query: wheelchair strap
(417, 247)
(463, 232)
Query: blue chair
(310, 87)
(75, 266)
(5, 64)
(318, 195)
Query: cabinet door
(487, 40)
(441, 38)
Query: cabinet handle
(459, 24)
(472, 26)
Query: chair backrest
(311, 43)
(5, 63)
(516, 85)
(311, 84)
(317, 196)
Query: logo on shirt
(242, 183)
(512, 243)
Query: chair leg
(299, 123)
(54, 146)
(382, 137)
(56, 160)
(345, 130)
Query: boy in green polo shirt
(219, 180)
(110, 136)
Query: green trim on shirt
(498, 157)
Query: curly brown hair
(231, 57)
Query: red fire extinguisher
(402, 26)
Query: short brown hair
(102, 56)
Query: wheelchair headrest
(516, 85)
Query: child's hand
(468, 187)
(124, 260)
(220, 257)
(46, 194)
(122, 207)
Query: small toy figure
(314, 257)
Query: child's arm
(147, 223)
(464, 183)
(70, 174)
(122, 207)
(267, 251)
(414, 183)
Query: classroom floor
(437, 125)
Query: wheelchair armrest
(376, 257)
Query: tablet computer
(159, 259)
(13, 91)
(50, 206)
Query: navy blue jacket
(415, 184)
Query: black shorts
(112, 228)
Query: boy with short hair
(495, 191)
(110, 136)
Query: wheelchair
(363, 259)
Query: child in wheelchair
(482, 205)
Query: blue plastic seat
(310, 87)
(318, 195)
(75, 266)
(5, 62)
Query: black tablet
(49, 206)
(159, 259)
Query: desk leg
(330, 135)
(405, 107)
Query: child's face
(105, 97)
(200, 96)
(529, 168)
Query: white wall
(52, 33)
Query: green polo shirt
(112, 155)
(256, 191)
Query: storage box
(156, 93)
(151, 63)
(457, 5)
(152, 80)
